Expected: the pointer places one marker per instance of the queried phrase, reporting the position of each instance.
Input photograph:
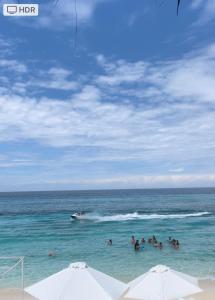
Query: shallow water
(34, 224)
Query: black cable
(178, 6)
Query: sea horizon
(108, 189)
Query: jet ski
(77, 216)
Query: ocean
(34, 224)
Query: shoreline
(208, 293)
(14, 294)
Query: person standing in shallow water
(143, 241)
(110, 242)
(133, 241)
(160, 245)
(137, 246)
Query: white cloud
(197, 3)
(121, 72)
(207, 10)
(85, 120)
(56, 15)
(6, 165)
(191, 77)
(12, 64)
(8, 45)
(176, 170)
(55, 78)
(5, 46)
(142, 181)
(153, 113)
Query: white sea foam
(138, 216)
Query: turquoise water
(35, 223)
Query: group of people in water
(174, 243)
(154, 242)
(138, 244)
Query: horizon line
(108, 189)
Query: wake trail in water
(138, 216)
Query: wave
(138, 216)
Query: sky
(125, 100)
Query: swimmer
(154, 240)
(137, 246)
(160, 245)
(150, 240)
(143, 241)
(133, 241)
(177, 244)
(110, 242)
(155, 244)
(173, 241)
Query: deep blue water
(32, 224)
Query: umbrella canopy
(78, 282)
(162, 283)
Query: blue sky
(128, 102)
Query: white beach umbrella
(162, 283)
(78, 282)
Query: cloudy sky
(127, 101)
